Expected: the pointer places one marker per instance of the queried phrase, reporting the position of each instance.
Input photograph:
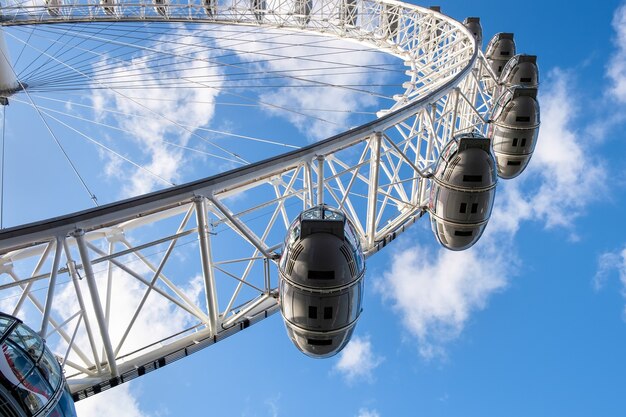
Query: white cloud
(314, 77)
(273, 405)
(126, 293)
(435, 291)
(609, 263)
(137, 108)
(564, 161)
(357, 360)
(364, 412)
(117, 401)
(616, 69)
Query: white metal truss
(70, 277)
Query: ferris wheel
(127, 287)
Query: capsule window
(463, 208)
(328, 313)
(525, 79)
(472, 178)
(474, 208)
(505, 53)
(320, 342)
(312, 312)
(463, 233)
(514, 163)
(523, 142)
(321, 274)
(522, 119)
(514, 141)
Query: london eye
(277, 225)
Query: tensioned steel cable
(272, 56)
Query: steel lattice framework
(377, 173)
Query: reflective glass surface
(50, 369)
(5, 323)
(28, 340)
(31, 374)
(322, 213)
(35, 392)
(18, 363)
(65, 406)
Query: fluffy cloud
(436, 290)
(616, 69)
(117, 401)
(357, 360)
(170, 108)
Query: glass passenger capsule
(500, 49)
(462, 191)
(514, 130)
(31, 379)
(520, 70)
(321, 281)
(473, 25)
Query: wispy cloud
(357, 360)
(147, 94)
(616, 69)
(323, 80)
(364, 412)
(273, 405)
(608, 264)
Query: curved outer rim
(33, 233)
(43, 231)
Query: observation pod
(473, 25)
(521, 70)
(462, 191)
(321, 281)
(31, 380)
(514, 129)
(500, 49)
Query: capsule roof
(465, 163)
(521, 70)
(474, 26)
(518, 108)
(501, 47)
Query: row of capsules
(464, 180)
(322, 268)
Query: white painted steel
(377, 173)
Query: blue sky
(529, 322)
